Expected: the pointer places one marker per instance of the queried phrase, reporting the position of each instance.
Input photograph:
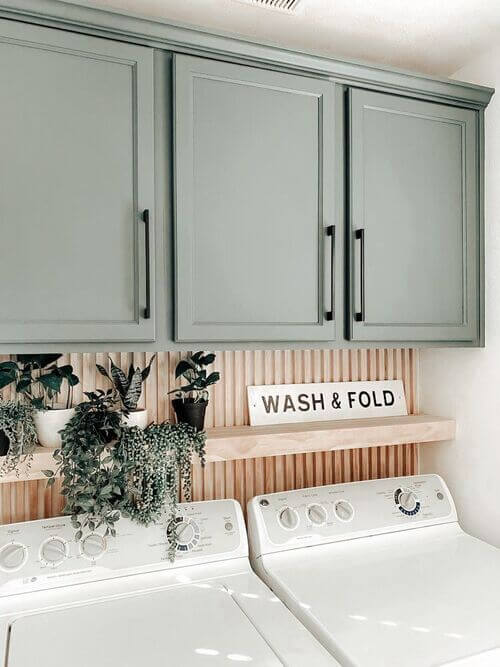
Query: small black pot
(4, 444)
(188, 412)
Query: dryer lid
(183, 625)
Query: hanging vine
(110, 470)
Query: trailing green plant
(110, 470)
(16, 423)
(38, 379)
(128, 387)
(193, 370)
(158, 462)
(93, 475)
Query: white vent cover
(287, 6)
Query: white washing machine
(121, 603)
(381, 572)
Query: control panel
(345, 511)
(38, 555)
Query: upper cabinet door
(415, 227)
(254, 209)
(76, 173)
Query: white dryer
(121, 603)
(381, 572)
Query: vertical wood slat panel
(228, 407)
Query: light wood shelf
(246, 442)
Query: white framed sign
(288, 403)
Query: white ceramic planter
(48, 424)
(137, 418)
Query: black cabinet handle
(360, 236)
(330, 314)
(147, 309)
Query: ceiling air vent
(286, 6)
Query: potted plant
(19, 437)
(129, 389)
(192, 398)
(111, 470)
(40, 381)
(92, 473)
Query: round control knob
(184, 532)
(344, 511)
(13, 556)
(53, 551)
(316, 514)
(289, 518)
(93, 546)
(407, 500)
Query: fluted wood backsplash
(243, 479)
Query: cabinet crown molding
(180, 38)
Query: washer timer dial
(288, 518)
(54, 551)
(344, 511)
(93, 546)
(13, 556)
(407, 501)
(187, 533)
(316, 514)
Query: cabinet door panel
(253, 200)
(75, 170)
(414, 195)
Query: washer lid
(422, 598)
(185, 625)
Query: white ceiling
(431, 36)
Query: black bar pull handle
(360, 236)
(330, 314)
(147, 309)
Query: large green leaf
(182, 367)
(212, 378)
(134, 390)
(8, 366)
(197, 356)
(23, 384)
(146, 371)
(103, 371)
(52, 381)
(6, 377)
(207, 360)
(119, 378)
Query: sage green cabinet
(256, 227)
(415, 230)
(76, 173)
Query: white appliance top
(39, 555)
(120, 602)
(381, 572)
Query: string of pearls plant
(17, 425)
(159, 460)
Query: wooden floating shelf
(247, 442)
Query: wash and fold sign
(287, 403)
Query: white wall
(465, 384)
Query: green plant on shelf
(38, 379)
(193, 370)
(128, 387)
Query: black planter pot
(4, 444)
(191, 413)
